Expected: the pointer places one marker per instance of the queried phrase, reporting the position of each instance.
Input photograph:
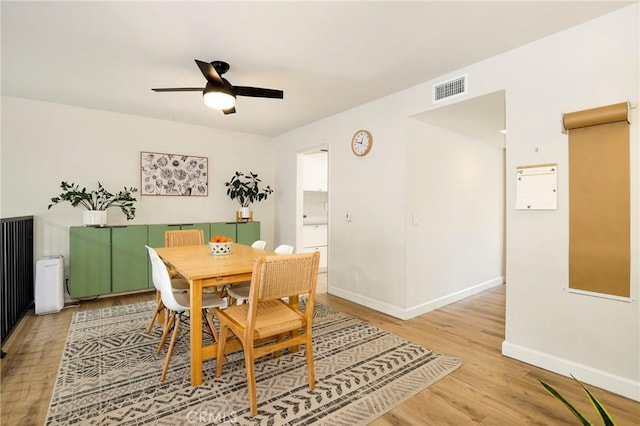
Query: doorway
(483, 119)
(313, 233)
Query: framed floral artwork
(173, 174)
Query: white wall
(375, 258)
(455, 209)
(598, 340)
(591, 65)
(44, 144)
(366, 257)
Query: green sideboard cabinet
(156, 232)
(113, 259)
(241, 232)
(248, 232)
(107, 260)
(225, 229)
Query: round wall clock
(361, 143)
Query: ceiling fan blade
(258, 92)
(179, 89)
(231, 110)
(209, 72)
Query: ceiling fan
(219, 93)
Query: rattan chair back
(184, 237)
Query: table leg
(196, 332)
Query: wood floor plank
(488, 389)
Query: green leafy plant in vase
(97, 200)
(247, 189)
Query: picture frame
(173, 174)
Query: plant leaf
(604, 414)
(99, 199)
(571, 408)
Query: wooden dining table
(202, 269)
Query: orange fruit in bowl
(220, 239)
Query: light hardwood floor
(487, 389)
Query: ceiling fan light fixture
(219, 93)
(217, 99)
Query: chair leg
(159, 308)
(167, 326)
(209, 321)
(310, 366)
(222, 339)
(176, 328)
(251, 378)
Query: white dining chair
(176, 238)
(259, 244)
(240, 292)
(177, 304)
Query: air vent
(457, 86)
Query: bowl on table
(220, 248)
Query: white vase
(94, 217)
(245, 212)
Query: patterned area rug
(110, 375)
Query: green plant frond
(99, 199)
(607, 420)
(245, 188)
(567, 404)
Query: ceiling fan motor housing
(220, 66)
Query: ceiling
(328, 57)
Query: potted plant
(246, 190)
(97, 202)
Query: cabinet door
(223, 229)
(248, 232)
(89, 261)
(129, 269)
(206, 229)
(314, 235)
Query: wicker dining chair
(239, 293)
(261, 324)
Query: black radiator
(16, 294)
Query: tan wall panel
(599, 208)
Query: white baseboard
(434, 304)
(616, 384)
(386, 308)
(412, 312)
